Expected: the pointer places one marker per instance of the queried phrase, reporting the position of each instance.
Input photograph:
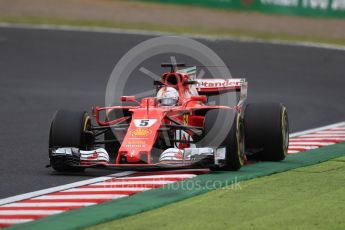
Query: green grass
(220, 32)
(305, 198)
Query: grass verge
(304, 198)
(180, 30)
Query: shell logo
(141, 132)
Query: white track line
(129, 189)
(311, 143)
(162, 176)
(303, 147)
(50, 204)
(162, 33)
(335, 139)
(62, 187)
(29, 212)
(79, 197)
(326, 135)
(125, 183)
(293, 151)
(14, 221)
(331, 132)
(316, 129)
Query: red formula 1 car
(178, 128)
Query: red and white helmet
(167, 96)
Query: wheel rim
(240, 140)
(285, 131)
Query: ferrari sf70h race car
(177, 128)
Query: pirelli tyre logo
(140, 132)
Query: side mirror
(128, 98)
(201, 98)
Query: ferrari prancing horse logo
(185, 119)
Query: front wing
(171, 158)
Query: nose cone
(141, 135)
(135, 156)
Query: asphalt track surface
(44, 70)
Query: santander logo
(219, 83)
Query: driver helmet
(167, 96)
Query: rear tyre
(69, 129)
(267, 131)
(233, 142)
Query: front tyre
(233, 142)
(267, 131)
(69, 129)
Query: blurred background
(307, 20)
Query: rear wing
(219, 86)
(216, 86)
